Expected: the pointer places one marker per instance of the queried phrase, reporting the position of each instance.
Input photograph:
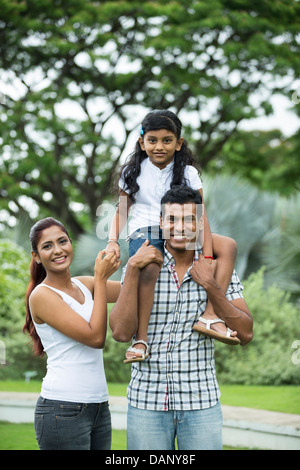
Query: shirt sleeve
(122, 184)
(192, 175)
(235, 288)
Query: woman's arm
(48, 307)
(112, 288)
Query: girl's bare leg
(225, 251)
(147, 281)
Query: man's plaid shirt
(180, 371)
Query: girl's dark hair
(37, 275)
(155, 120)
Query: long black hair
(155, 120)
(37, 275)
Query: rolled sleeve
(235, 288)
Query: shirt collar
(168, 168)
(168, 258)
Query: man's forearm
(235, 313)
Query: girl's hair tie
(141, 130)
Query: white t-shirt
(75, 372)
(154, 183)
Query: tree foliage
(267, 159)
(14, 278)
(268, 358)
(77, 77)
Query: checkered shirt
(180, 371)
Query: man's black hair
(181, 195)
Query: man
(174, 393)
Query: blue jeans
(62, 425)
(157, 430)
(151, 233)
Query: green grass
(282, 398)
(22, 437)
(278, 398)
(285, 399)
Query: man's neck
(182, 258)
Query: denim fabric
(152, 233)
(157, 430)
(61, 425)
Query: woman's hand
(106, 265)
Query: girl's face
(54, 249)
(160, 146)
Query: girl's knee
(231, 246)
(150, 273)
(224, 246)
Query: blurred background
(76, 79)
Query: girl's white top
(75, 372)
(154, 183)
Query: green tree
(267, 159)
(107, 62)
(14, 278)
(268, 358)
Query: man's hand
(203, 271)
(145, 255)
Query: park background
(76, 79)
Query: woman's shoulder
(87, 281)
(40, 294)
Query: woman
(67, 318)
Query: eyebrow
(50, 241)
(164, 137)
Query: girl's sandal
(142, 357)
(207, 331)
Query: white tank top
(75, 372)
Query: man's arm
(235, 313)
(123, 318)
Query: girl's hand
(106, 265)
(113, 246)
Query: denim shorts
(152, 233)
(62, 425)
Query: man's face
(181, 225)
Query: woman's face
(54, 249)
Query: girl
(161, 160)
(66, 318)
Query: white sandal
(207, 331)
(144, 354)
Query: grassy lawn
(22, 437)
(280, 398)
(283, 398)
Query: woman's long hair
(155, 120)
(37, 275)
